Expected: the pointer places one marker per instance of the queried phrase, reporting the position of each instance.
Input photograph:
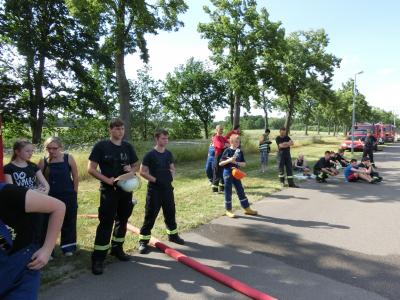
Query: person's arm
(8, 179)
(261, 140)
(44, 185)
(172, 169)
(227, 161)
(145, 173)
(92, 170)
(39, 203)
(41, 165)
(74, 172)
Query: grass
(195, 204)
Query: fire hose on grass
(201, 268)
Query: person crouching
(323, 168)
(232, 158)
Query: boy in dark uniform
(284, 143)
(369, 168)
(339, 157)
(369, 145)
(158, 168)
(114, 157)
(323, 168)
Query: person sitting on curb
(335, 164)
(300, 165)
(369, 168)
(352, 173)
(232, 158)
(323, 168)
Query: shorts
(352, 178)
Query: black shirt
(12, 214)
(159, 165)
(112, 158)
(280, 140)
(322, 163)
(25, 177)
(369, 142)
(228, 153)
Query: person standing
(220, 143)
(114, 157)
(265, 148)
(210, 162)
(284, 143)
(233, 157)
(21, 258)
(369, 145)
(158, 168)
(235, 130)
(61, 171)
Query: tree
(123, 25)
(233, 34)
(49, 51)
(146, 95)
(303, 62)
(264, 102)
(194, 92)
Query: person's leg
(289, 171)
(153, 205)
(216, 173)
(168, 206)
(365, 177)
(209, 168)
(106, 215)
(228, 192)
(68, 231)
(262, 160)
(244, 202)
(281, 169)
(371, 156)
(124, 211)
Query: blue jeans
(264, 157)
(209, 168)
(229, 180)
(17, 282)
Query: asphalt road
(322, 241)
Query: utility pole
(353, 121)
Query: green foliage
(193, 92)
(184, 129)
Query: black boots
(175, 238)
(97, 267)
(119, 253)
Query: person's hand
(173, 172)
(127, 168)
(233, 159)
(39, 259)
(110, 181)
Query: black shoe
(175, 238)
(143, 248)
(120, 254)
(294, 186)
(97, 267)
(215, 189)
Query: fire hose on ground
(201, 268)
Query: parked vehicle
(389, 132)
(358, 143)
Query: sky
(364, 34)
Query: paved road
(323, 241)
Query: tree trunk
(289, 113)
(318, 127)
(231, 107)
(205, 125)
(265, 118)
(306, 128)
(37, 107)
(236, 116)
(329, 128)
(123, 84)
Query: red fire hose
(217, 276)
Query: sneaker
(119, 253)
(221, 189)
(230, 214)
(143, 247)
(97, 267)
(249, 211)
(175, 238)
(69, 253)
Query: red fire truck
(389, 132)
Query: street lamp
(353, 122)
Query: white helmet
(130, 185)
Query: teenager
(22, 172)
(284, 142)
(233, 157)
(339, 157)
(323, 168)
(158, 168)
(21, 258)
(369, 169)
(61, 172)
(353, 173)
(114, 157)
(219, 143)
(300, 165)
(264, 145)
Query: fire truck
(389, 132)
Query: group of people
(40, 200)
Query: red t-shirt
(219, 144)
(228, 135)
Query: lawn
(195, 204)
